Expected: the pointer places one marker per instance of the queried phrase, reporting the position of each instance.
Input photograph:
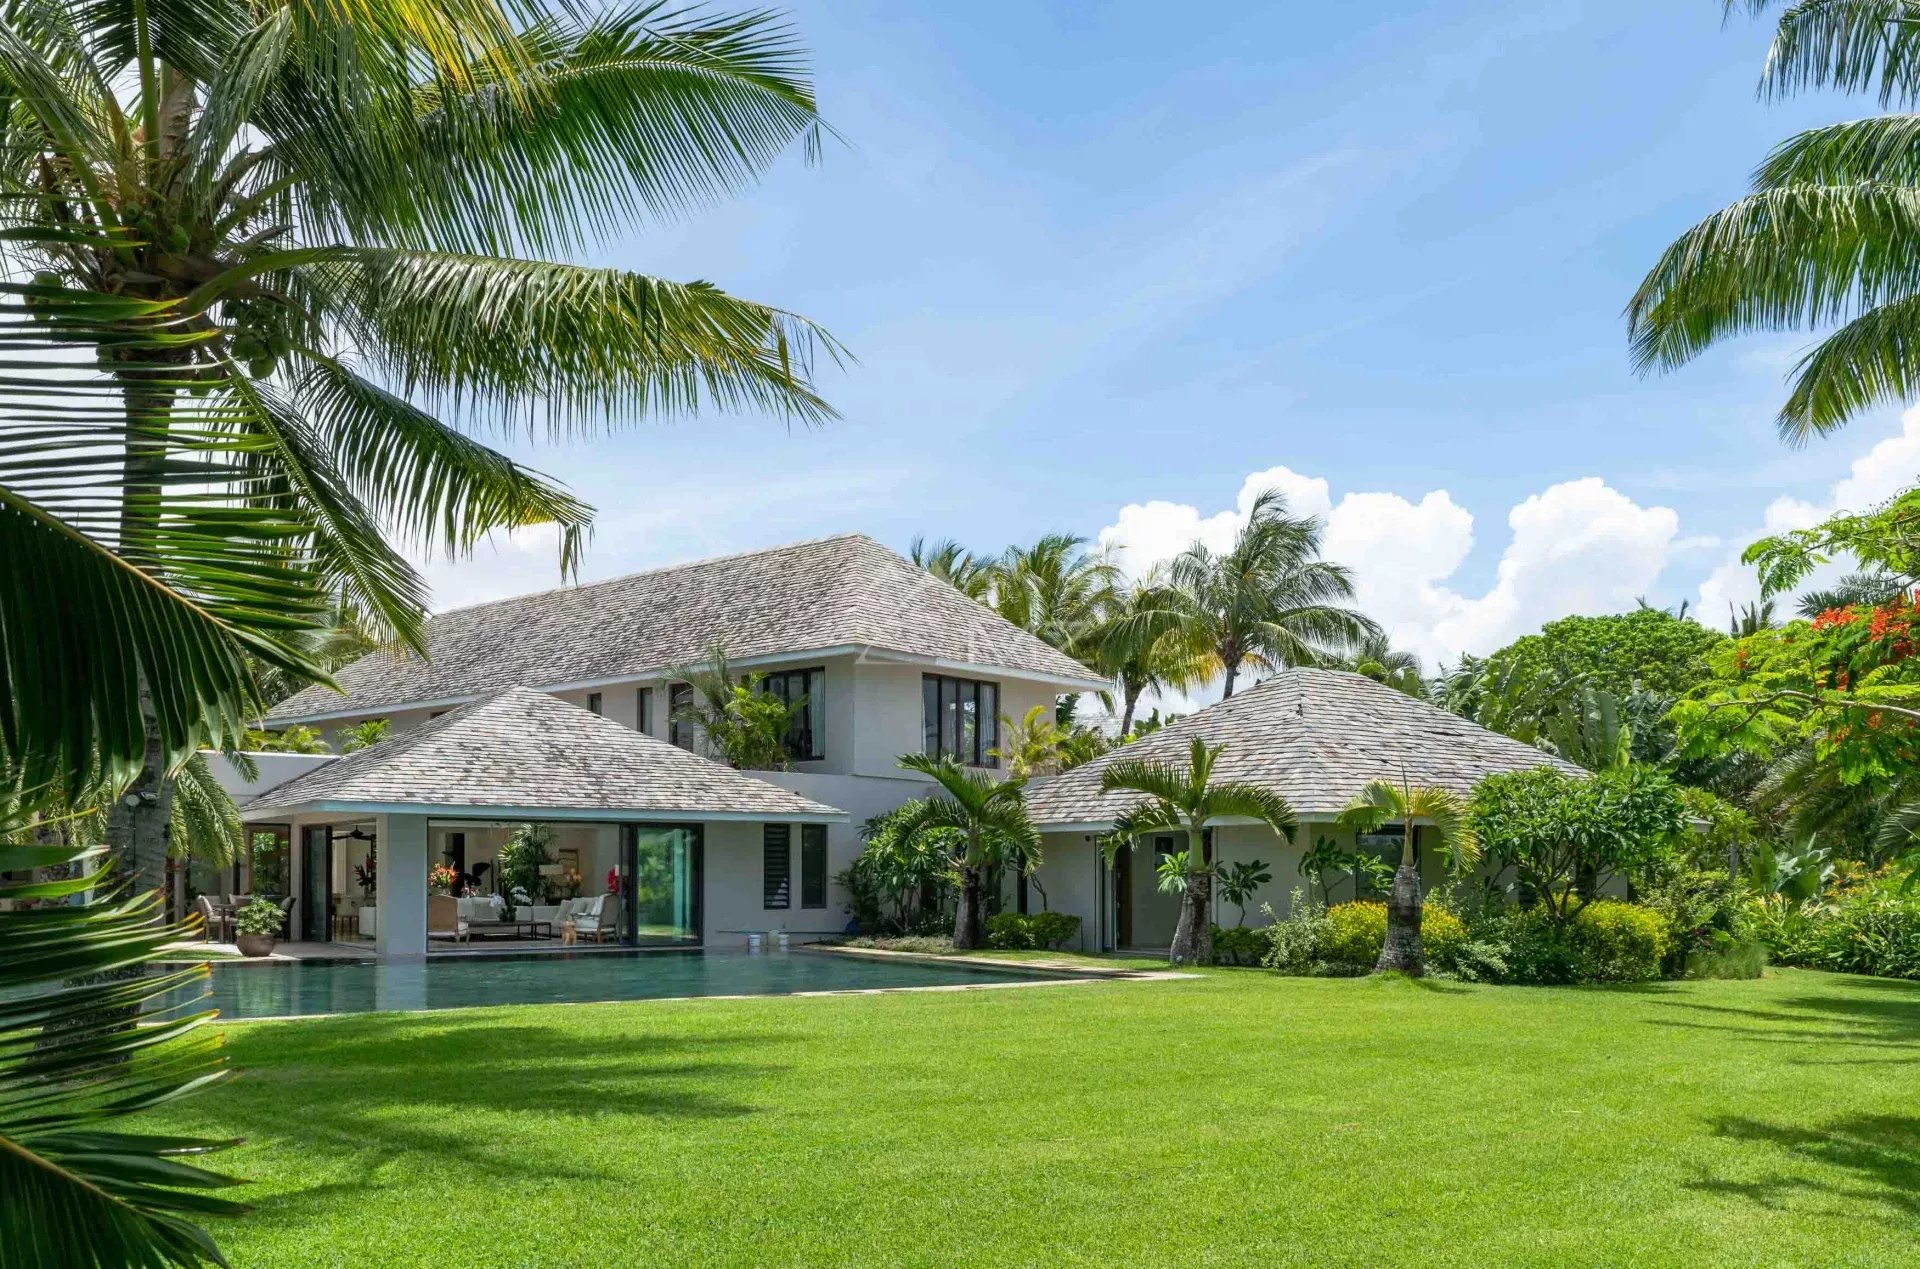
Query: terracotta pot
(254, 944)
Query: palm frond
(206, 824)
(1872, 360)
(78, 1192)
(1235, 799)
(1849, 45)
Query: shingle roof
(1314, 736)
(522, 750)
(838, 592)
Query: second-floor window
(962, 719)
(596, 703)
(680, 697)
(806, 737)
(643, 710)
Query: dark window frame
(596, 704)
(938, 740)
(813, 866)
(804, 741)
(776, 880)
(643, 710)
(679, 696)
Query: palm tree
(299, 243)
(1827, 234)
(988, 820)
(73, 1190)
(1057, 590)
(953, 564)
(1870, 589)
(1133, 648)
(1379, 660)
(1750, 620)
(1383, 802)
(1188, 799)
(1268, 602)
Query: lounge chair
(443, 918)
(212, 920)
(597, 919)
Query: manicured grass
(1239, 1119)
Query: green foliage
(1709, 933)
(1370, 874)
(1874, 929)
(1296, 943)
(1237, 945)
(1619, 942)
(259, 916)
(516, 866)
(295, 739)
(1605, 942)
(83, 1044)
(1564, 836)
(1039, 745)
(743, 725)
(1355, 933)
(1239, 881)
(901, 882)
(1037, 931)
(362, 734)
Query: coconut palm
(299, 243)
(953, 564)
(1058, 590)
(987, 820)
(1267, 602)
(1828, 233)
(1134, 649)
(1750, 619)
(1187, 799)
(1383, 802)
(1377, 658)
(73, 1190)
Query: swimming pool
(307, 988)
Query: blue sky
(1095, 255)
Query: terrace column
(403, 886)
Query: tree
(1379, 660)
(1382, 802)
(1187, 799)
(1239, 882)
(362, 734)
(744, 725)
(987, 820)
(956, 566)
(287, 238)
(1039, 745)
(1058, 591)
(1566, 835)
(1826, 235)
(1269, 601)
(1135, 649)
(73, 1189)
(1752, 619)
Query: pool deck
(221, 953)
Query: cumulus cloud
(1580, 546)
(1887, 467)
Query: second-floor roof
(831, 595)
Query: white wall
(272, 768)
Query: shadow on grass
(1868, 1160)
(485, 1096)
(1857, 1020)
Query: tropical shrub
(901, 882)
(1296, 942)
(1038, 931)
(1618, 942)
(516, 869)
(1237, 945)
(258, 916)
(1875, 930)
(921, 944)
(1357, 931)
(1564, 835)
(1606, 942)
(1709, 928)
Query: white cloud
(1887, 467)
(1576, 547)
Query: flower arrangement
(442, 878)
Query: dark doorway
(1123, 896)
(316, 883)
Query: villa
(560, 710)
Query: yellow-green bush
(1357, 931)
(1619, 942)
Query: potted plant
(442, 878)
(255, 926)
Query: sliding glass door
(663, 884)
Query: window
(679, 697)
(1382, 844)
(643, 710)
(962, 719)
(776, 865)
(806, 739)
(813, 865)
(596, 704)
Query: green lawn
(1239, 1119)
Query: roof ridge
(704, 561)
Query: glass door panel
(664, 894)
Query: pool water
(306, 988)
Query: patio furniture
(213, 919)
(286, 918)
(443, 918)
(599, 920)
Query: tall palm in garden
(1267, 602)
(1135, 650)
(299, 245)
(953, 564)
(1187, 799)
(1383, 802)
(1377, 658)
(1058, 590)
(987, 819)
(1828, 233)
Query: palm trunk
(1233, 672)
(969, 927)
(1132, 697)
(1402, 953)
(1193, 936)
